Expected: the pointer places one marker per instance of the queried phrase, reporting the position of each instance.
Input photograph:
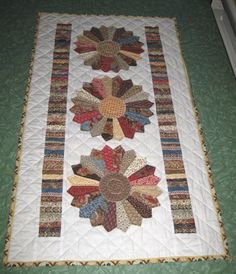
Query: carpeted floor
(213, 86)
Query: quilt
(111, 167)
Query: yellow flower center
(108, 48)
(112, 107)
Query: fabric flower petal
(150, 201)
(121, 62)
(96, 32)
(97, 128)
(142, 111)
(107, 82)
(98, 217)
(88, 162)
(110, 217)
(84, 172)
(149, 180)
(118, 133)
(137, 97)
(87, 97)
(81, 190)
(91, 36)
(126, 127)
(94, 61)
(141, 208)
(131, 55)
(136, 165)
(134, 217)
(143, 172)
(89, 209)
(107, 132)
(138, 104)
(148, 190)
(83, 117)
(127, 159)
(122, 219)
(76, 180)
(131, 92)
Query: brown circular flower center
(112, 107)
(115, 187)
(108, 48)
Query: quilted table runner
(111, 168)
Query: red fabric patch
(83, 117)
(106, 63)
(149, 180)
(128, 131)
(82, 190)
(143, 172)
(82, 47)
(110, 217)
(108, 158)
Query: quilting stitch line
(174, 166)
(52, 173)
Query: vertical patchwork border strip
(174, 166)
(52, 174)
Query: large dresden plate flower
(112, 108)
(109, 48)
(114, 188)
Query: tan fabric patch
(131, 92)
(87, 161)
(121, 63)
(110, 32)
(85, 39)
(107, 81)
(98, 127)
(132, 55)
(118, 133)
(82, 181)
(148, 190)
(134, 217)
(138, 97)
(85, 96)
(137, 164)
(122, 218)
(128, 158)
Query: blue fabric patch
(178, 188)
(89, 209)
(85, 126)
(128, 40)
(137, 117)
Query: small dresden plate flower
(109, 48)
(112, 108)
(114, 188)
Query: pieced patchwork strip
(174, 166)
(52, 174)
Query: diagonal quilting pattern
(78, 241)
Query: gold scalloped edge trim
(19, 147)
(204, 150)
(6, 263)
(117, 262)
(108, 15)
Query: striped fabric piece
(52, 174)
(174, 167)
